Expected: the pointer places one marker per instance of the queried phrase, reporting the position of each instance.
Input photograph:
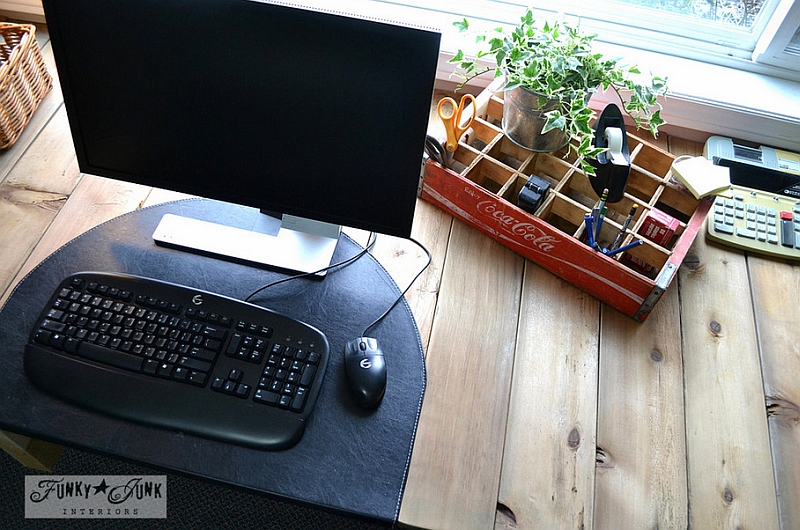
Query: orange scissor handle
(452, 116)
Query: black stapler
(613, 165)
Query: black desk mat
(347, 460)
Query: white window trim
(770, 49)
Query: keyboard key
(110, 357)
(299, 400)
(265, 396)
(51, 325)
(194, 364)
(308, 375)
(197, 378)
(165, 370)
(203, 354)
(150, 366)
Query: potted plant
(551, 72)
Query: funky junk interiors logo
(96, 497)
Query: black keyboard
(179, 358)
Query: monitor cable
(370, 243)
(397, 300)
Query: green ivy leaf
(554, 121)
(458, 57)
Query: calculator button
(744, 232)
(725, 229)
(787, 230)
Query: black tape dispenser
(612, 166)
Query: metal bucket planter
(523, 120)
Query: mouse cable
(370, 243)
(397, 301)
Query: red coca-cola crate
(482, 185)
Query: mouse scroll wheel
(362, 346)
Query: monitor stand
(290, 243)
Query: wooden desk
(544, 408)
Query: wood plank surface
(33, 192)
(454, 478)
(775, 287)
(641, 444)
(30, 452)
(549, 459)
(730, 479)
(94, 201)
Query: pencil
(625, 225)
(598, 218)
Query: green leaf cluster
(556, 61)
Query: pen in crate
(593, 222)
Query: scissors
(436, 151)
(451, 115)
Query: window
(754, 35)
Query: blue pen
(599, 223)
(623, 249)
(589, 220)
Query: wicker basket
(24, 80)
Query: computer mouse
(366, 371)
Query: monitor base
(300, 245)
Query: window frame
(772, 47)
(759, 49)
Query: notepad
(701, 176)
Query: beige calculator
(757, 221)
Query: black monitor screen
(294, 111)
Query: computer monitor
(318, 116)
